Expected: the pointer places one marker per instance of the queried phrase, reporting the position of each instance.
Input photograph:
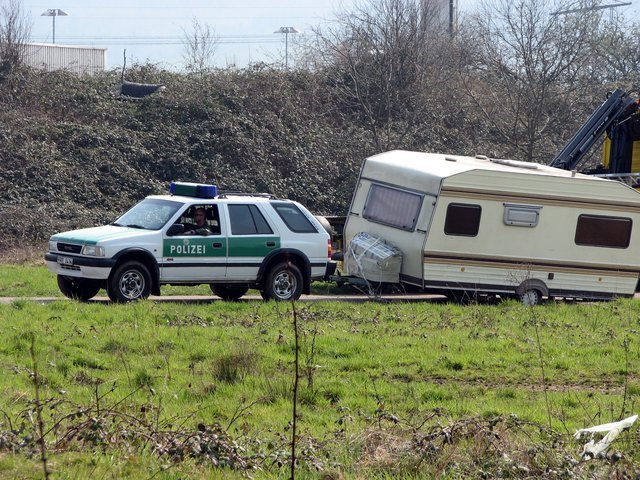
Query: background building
(445, 10)
(76, 59)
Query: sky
(154, 30)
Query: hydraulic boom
(617, 117)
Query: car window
(294, 218)
(247, 220)
(150, 213)
(211, 215)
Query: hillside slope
(73, 153)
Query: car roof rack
(232, 193)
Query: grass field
(420, 390)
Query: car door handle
(271, 243)
(217, 244)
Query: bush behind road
(75, 154)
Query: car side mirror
(175, 229)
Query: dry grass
(473, 447)
(32, 254)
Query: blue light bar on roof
(197, 190)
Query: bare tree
(15, 30)
(617, 53)
(529, 63)
(200, 45)
(385, 59)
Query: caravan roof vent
(482, 157)
(515, 163)
(450, 159)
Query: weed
(38, 408)
(449, 364)
(143, 378)
(234, 367)
(20, 304)
(333, 395)
(114, 346)
(277, 390)
(506, 393)
(88, 363)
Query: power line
(166, 40)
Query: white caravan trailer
(477, 226)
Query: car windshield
(149, 214)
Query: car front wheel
(81, 289)
(131, 281)
(284, 282)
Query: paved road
(196, 299)
(253, 298)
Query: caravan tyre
(531, 297)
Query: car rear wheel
(230, 293)
(284, 282)
(81, 289)
(131, 281)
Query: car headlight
(93, 251)
(53, 245)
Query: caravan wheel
(531, 297)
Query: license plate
(65, 260)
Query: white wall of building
(75, 59)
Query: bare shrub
(15, 30)
(200, 45)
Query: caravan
(470, 227)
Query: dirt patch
(601, 385)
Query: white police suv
(246, 241)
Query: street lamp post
(286, 31)
(53, 13)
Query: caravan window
(521, 215)
(601, 231)
(462, 219)
(393, 207)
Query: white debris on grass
(593, 449)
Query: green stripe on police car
(252, 246)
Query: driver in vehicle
(200, 226)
